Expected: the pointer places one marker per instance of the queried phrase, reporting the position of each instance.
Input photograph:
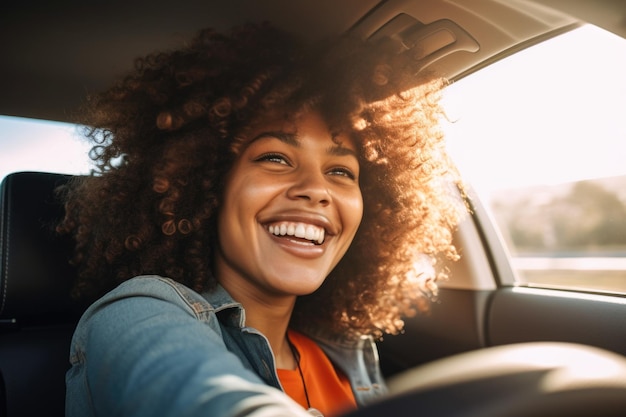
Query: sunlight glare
(37, 145)
(550, 114)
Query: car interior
(486, 348)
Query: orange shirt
(328, 388)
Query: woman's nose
(311, 186)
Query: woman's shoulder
(158, 288)
(153, 289)
(145, 298)
(145, 293)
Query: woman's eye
(273, 157)
(343, 172)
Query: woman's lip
(298, 247)
(305, 231)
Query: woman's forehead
(294, 125)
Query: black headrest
(35, 276)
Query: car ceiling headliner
(53, 52)
(58, 50)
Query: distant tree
(589, 216)
(525, 223)
(567, 217)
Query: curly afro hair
(167, 134)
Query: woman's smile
(303, 238)
(307, 232)
(297, 244)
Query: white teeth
(299, 230)
(310, 233)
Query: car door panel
(454, 324)
(528, 314)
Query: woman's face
(291, 207)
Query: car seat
(37, 314)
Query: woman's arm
(144, 353)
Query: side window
(38, 145)
(541, 138)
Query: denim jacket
(153, 347)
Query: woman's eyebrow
(288, 138)
(338, 150)
(292, 139)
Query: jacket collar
(229, 311)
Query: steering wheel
(519, 380)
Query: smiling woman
(267, 199)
